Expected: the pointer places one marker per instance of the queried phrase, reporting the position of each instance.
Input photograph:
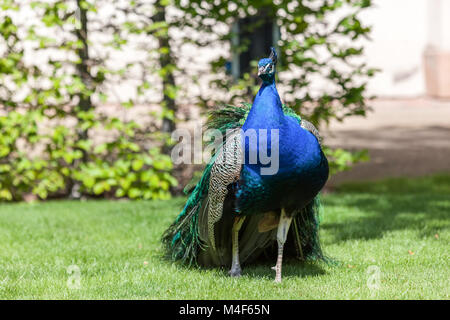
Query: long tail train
(185, 241)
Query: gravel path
(404, 138)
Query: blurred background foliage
(52, 109)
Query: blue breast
(302, 167)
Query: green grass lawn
(396, 231)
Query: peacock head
(266, 67)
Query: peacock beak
(262, 70)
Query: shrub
(50, 117)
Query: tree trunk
(165, 59)
(84, 99)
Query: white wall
(399, 36)
(402, 29)
(438, 16)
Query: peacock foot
(235, 272)
(277, 275)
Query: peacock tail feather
(181, 239)
(305, 231)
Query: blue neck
(267, 110)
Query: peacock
(245, 209)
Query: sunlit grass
(395, 231)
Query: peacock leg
(283, 228)
(235, 265)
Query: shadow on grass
(262, 270)
(395, 204)
(291, 268)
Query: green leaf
(134, 193)
(137, 164)
(5, 194)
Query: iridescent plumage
(235, 213)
